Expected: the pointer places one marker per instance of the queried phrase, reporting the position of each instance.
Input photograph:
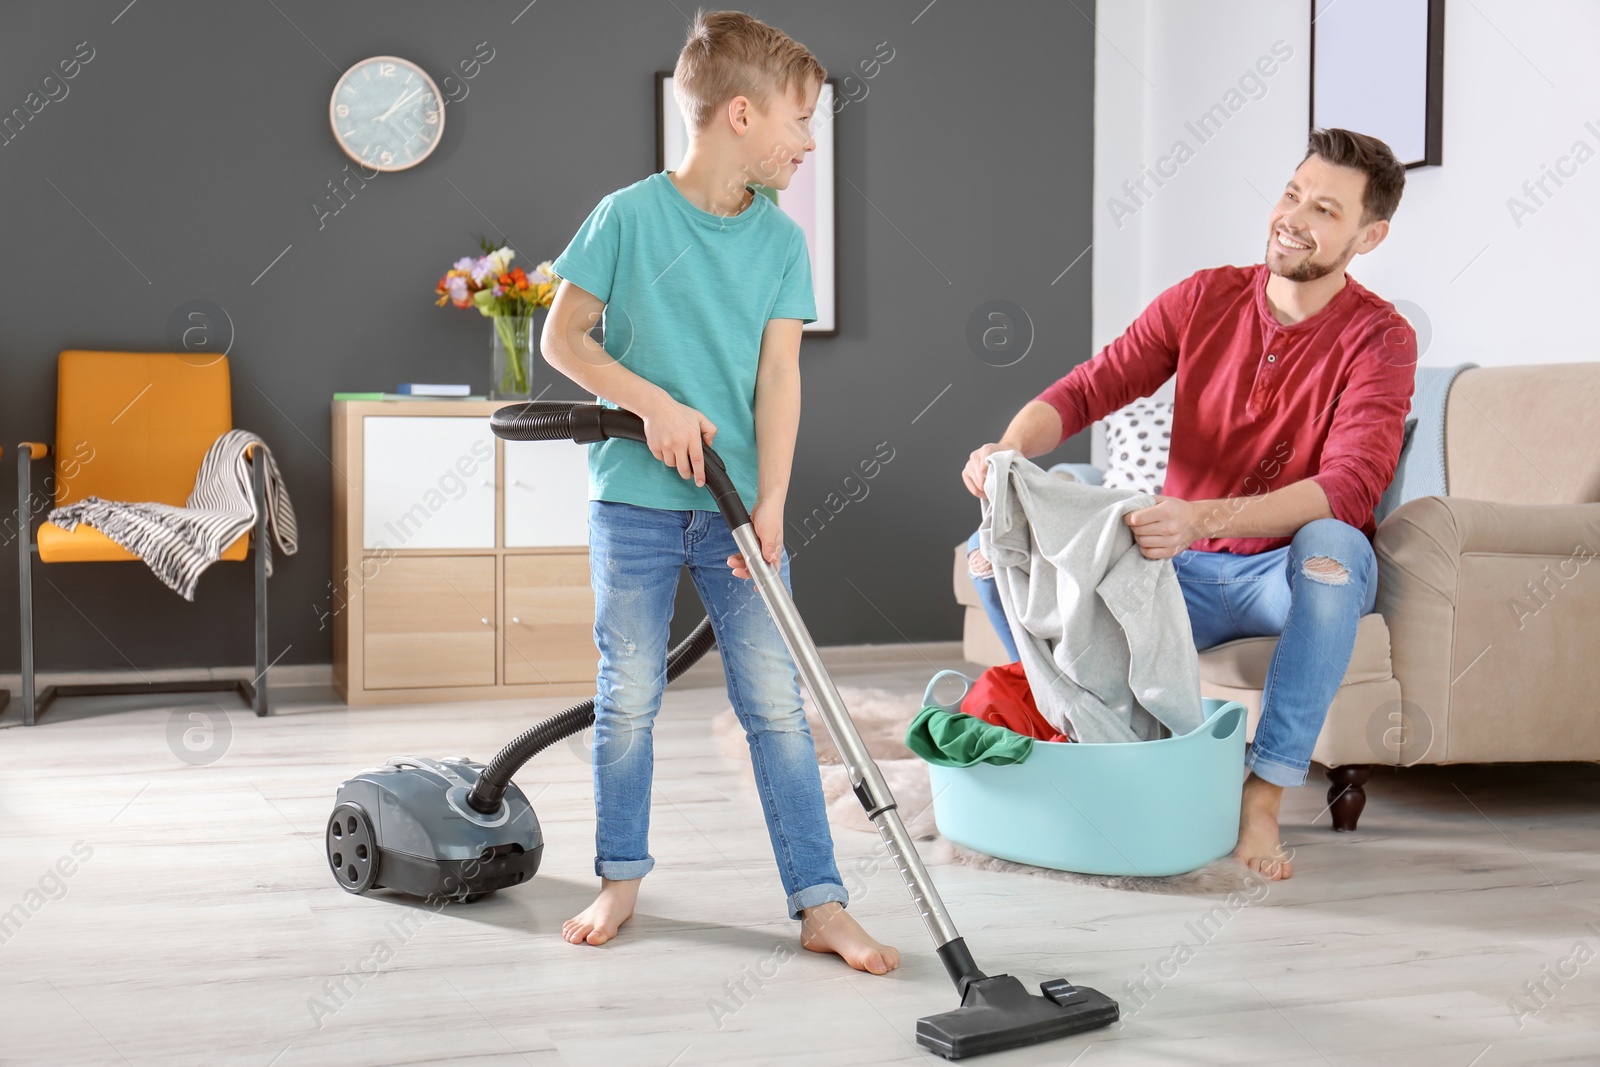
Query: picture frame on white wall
(810, 200)
(1377, 67)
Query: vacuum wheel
(352, 851)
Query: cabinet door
(549, 619)
(547, 494)
(428, 620)
(428, 482)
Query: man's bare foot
(599, 922)
(829, 928)
(1260, 846)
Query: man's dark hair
(1386, 177)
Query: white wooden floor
(199, 924)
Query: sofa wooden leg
(1346, 798)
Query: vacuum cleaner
(455, 830)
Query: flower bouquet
(509, 297)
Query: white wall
(1520, 85)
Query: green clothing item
(956, 739)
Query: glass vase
(512, 341)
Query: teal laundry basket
(1140, 808)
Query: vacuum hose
(583, 423)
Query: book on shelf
(403, 396)
(420, 389)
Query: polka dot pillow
(1137, 440)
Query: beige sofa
(1485, 645)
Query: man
(1293, 383)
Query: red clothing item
(1002, 696)
(1260, 405)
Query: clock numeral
(431, 118)
(343, 111)
(386, 158)
(385, 70)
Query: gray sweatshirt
(1103, 632)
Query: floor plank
(200, 926)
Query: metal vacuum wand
(865, 778)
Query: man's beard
(1310, 270)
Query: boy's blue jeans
(635, 556)
(1268, 594)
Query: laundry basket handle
(928, 700)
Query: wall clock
(386, 113)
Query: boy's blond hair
(729, 54)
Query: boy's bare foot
(829, 928)
(1260, 846)
(599, 922)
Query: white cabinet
(428, 482)
(460, 562)
(547, 494)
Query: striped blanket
(180, 543)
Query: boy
(704, 285)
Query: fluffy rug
(1219, 876)
(881, 716)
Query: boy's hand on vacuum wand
(675, 434)
(766, 518)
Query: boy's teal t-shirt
(688, 295)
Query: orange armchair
(131, 426)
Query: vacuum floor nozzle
(999, 1013)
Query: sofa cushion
(979, 642)
(1138, 438)
(1242, 664)
(1525, 434)
(966, 592)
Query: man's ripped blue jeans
(1313, 592)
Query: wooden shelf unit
(460, 562)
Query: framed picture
(1377, 67)
(810, 199)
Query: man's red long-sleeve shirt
(1260, 405)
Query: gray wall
(195, 140)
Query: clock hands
(399, 103)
